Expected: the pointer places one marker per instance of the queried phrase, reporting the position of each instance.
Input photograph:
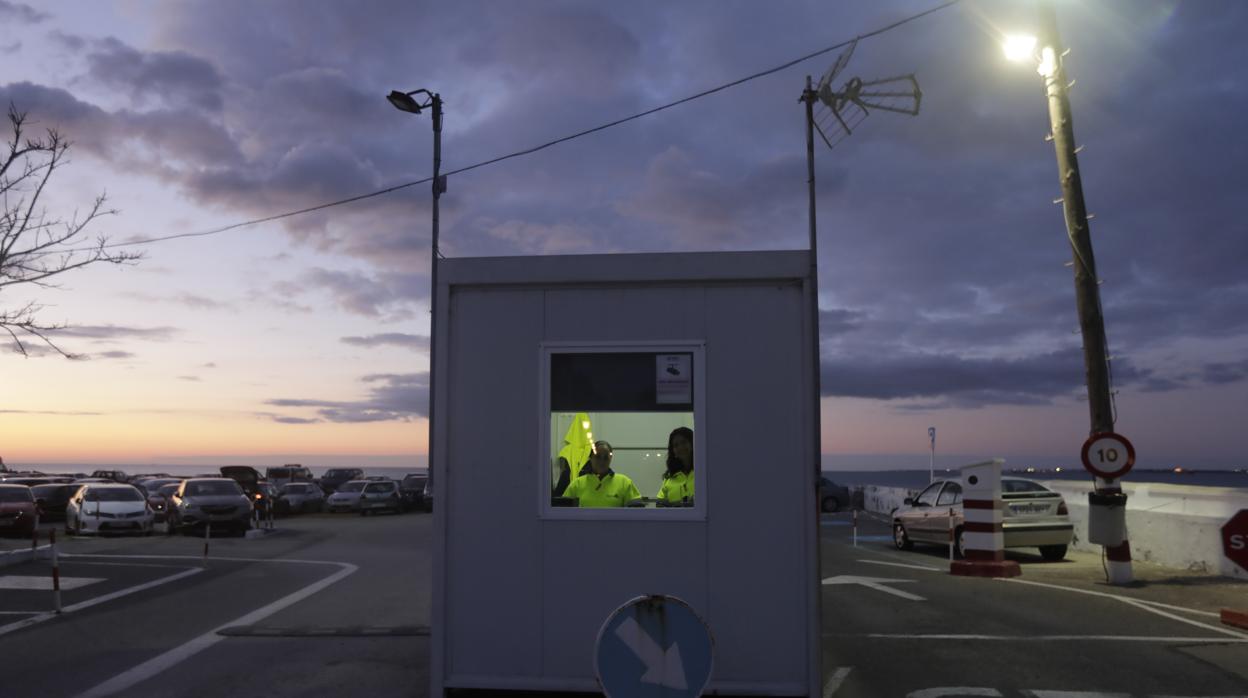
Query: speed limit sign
(1108, 455)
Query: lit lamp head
(1019, 47)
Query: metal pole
(207, 537)
(439, 186)
(808, 97)
(1087, 291)
(931, 459)
(56, 573)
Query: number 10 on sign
(1108, 455)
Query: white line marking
(876, 583)
(1172, 607)
(19, 613)
(5, 629)
(123, 564)
(160, 663)
(1048, 638)
(834, 682)
(43, 582)
(1142, 605)
(902, 564)
(950, 691)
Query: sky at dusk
(945, 299)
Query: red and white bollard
(207, 540)
(56, 573)
(983, 541)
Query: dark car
(158, 500)
(336, 477)
(249, 479)
(412, 490)
(51, 499)
(17, 510)
(217, 501)
(833, 497)
(114, 475)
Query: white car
(108, 508)
(347, 496)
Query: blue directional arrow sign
(654, 647)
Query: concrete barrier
(1172, 525)
(884, 500)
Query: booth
(548, 363)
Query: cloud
(415, 342)
(115, 354)
(20, 13)
(60, 413)
(173, 77)
(388, 294)
(113, 332)
(391, 397)
(192, 379)
(1224, 373)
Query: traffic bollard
(34, 537)
(207, 537)
(56, 573)
(951, 536)
(855, 511)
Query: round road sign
(654, 647)
(1235, 539)
(1108, 455)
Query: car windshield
(338, 473)
(113, 494)
(52, 492)
(1010, 486)
(296, 489)
(15, 494)
(352, 487)
(209, 489)
(279, 473)
(168, 490)
(415, 479)
(380, 487)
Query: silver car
(1034, 516)
(300, 497)
(380, 496)
(347, 497)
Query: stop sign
(1235, 539)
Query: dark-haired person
(602, 486)
(677, 487)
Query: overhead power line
(543, 146)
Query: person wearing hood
(602, 486)
(573, 458)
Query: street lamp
(1087, 291)
(408, 102)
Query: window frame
(697, 512)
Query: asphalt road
(339, 605)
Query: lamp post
(406, 101)
(1087, 291)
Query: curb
(17, 557)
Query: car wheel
(830, 505)
(959, 545)
(900, 539)
(1053, 553)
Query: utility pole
(439, 186)
(809, 96)
(1087, 291)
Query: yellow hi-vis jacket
(576, 443)
(677, 488)
(610, 490)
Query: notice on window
(674, 379)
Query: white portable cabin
(523, 582)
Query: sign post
(1235, 539)
(654, 647)
(1108, 455)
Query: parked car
(282, 475)
(151, 485)
(159, 500)
(299, 497)
(114, 475)
(428, 494)
(412, 490)
(248, 478)
(100, 507)
(347, 498)
(17, 510)
(217, 500)
(1033, 516)
(52, 500)
(335, 477)
(833, 497)
(379, 496)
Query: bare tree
(34, 247)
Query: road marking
(1045, 638)
(5, 629)
(19, 613)
(876, 583)
(1073, 694)
(954, 691)
(903, 564)
(122, 564)
(43, 582)
(1142, 605)
(834, 682)
(142, 672)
